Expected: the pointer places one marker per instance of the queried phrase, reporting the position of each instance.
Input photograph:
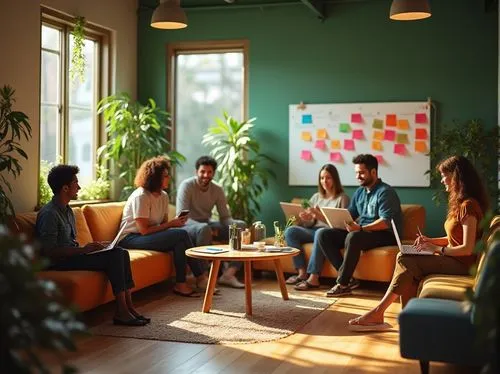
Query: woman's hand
(318, 214)
(429, 247)
(177, 221)
(421, 239)
(306, 215)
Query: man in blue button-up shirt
(372, 207)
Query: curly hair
(465, 184)
(60, 176)
(207, 161)
(150, 174)
(337, 186)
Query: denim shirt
(381, 201)
(56, 226)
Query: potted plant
(136, 133)
(78, 63)
(14, 126)
(241, 168)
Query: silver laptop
(407, 249)
(290, 209)
(336, 217)
(113, 243)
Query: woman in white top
(147, 225)
(311, 220)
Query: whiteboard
(397, 133)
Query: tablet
(336, 217)
(291, 209)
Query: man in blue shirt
(373, 206)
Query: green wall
(356, 55)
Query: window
(69, 125)
(205, 79)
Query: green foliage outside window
(77, 69)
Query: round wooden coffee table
(246, 257)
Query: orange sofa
(376, 264)
(100, 222)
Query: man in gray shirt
(199, 195)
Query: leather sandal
(193, 293)
(294, 279)
(305, 286)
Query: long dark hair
(337, 186)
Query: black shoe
(130, 322)
(142, 318)
(354, 283)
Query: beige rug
(180, 319)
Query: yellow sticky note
(378, 135)
(403, 124)
(306, 136)
(321, 134)
(376, 145)
(335, 144)
(420, 146)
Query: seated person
(467, 204)
(147, 225)
(56, 230)
(199, 195)
(330, 194)
(373, 206)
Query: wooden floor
(324, 345)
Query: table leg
(248, 287)
(212, 279)
(281, 279)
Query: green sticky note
(345, 127)
(378, 123)
(402, 138)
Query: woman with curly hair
(148, 226)
(467, 204)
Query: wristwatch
(442, 251)
(360, 228)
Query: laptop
(336, 217)
(113, 243)
(407, 249)
(290, 209)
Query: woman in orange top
(467, 204)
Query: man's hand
(92, 247)
(352, 226)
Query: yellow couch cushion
(104, 219)
(450, 287)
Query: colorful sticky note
(349, 144)
(336, 157)
(421, 134)
(400, 149)
(389, 135)
(421, 118)
(380, 159)
(306, 155)
(320, 144)
(403, 124)
(335, 144)
(321, 134)
(420, 146)
(306, 136)
(358, 134)
(376, 145)
(378, 135)
(402, 138)
(356, 118)
(378, 124)
(344, 127)
(307, 119)
(390, 120)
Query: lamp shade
(409, 10)
(169, 15)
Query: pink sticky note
(356, 118)
(306, 155)
(320, 144)
(380, 159)
(349, 144)
(389, 135)
(421, 134)
(420, 118)
(400, 149)
(336, 157)
(358, 134)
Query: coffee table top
(248, 255)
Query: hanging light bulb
(409, 10)
(169, 15)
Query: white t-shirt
(143, 204)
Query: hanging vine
(78, 56)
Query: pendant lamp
(169, 15)
(409, 10)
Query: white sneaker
(230, 281)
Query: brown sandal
(305, 286)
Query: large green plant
(472, 140)
(31, 316)
(242, 171)
(14, 126)
(136, 133)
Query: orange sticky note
(306, 155)
(378, 135)
(390, 120)
(400, 149)
(320, 144)
(336, 157)
(306, 136)
(403, 124)
(321, 134)
(356, 118)
(389, 135)
(420, 146)
(376, 145)
(335, 144)
(420, 118)
(349, 144)
(421, 134)
(358, 134)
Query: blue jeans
(171, 240)
(295, 237)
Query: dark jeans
(115, 263)
(331, 241)
(174, 240)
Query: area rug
(180, 319)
